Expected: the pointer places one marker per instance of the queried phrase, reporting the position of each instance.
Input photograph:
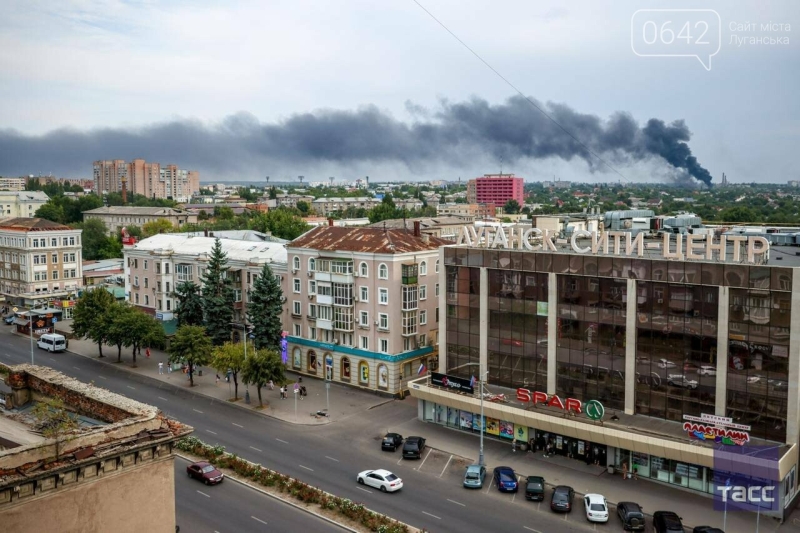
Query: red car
(205, 472)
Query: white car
(380, 479)
(663, 363)
(680, 380)
(596, 508)
(706, 370)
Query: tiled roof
(369, 240)
(132, 210)
(31, 224)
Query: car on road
(736, 363)
(690, 368)
(631, 516)
(9, 319)
(474, 476)
(391, 441)
(680, 380)
(667, 522)
(707, 370)
(707, 529)
(412, 448)
(596, 508)
(534, 488)
(561, 500)
(506, 479)
(380, 479)
(205, 472)
(665, 363)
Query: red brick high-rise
(497, 189)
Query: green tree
(303, 207)
(223, 212)
(118, 317)
(260, 368)
(134, 231)
(281, 222)
(189, 308)
(229, 357)
(54, 421)
(96, 243)
(144, 330)
(51, 211)
(386, 210)
(154, 227)
(192, 346)
(217, 295)
(90, 316)
(512, 207)
(266, 309)
(273, 193)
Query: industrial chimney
(417, 231)
(124, 191)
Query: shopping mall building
(655, 355)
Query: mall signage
(718, 429)
(593, 408)
(697, 247)
(453, 383)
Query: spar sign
(719, 429)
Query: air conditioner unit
(310, 296)
(294, 271)
(355, 274)
(356, 300)
(376, 322)
(309, 274)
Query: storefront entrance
(572, 448)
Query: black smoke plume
(458, 135)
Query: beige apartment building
(13, 184)
(363, 304)
(119, 216)
(149, 179)
(326, 206)
(467, 211)
(156, 265)
(115, 472)
(21, 203)
(39, 259)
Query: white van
(52, 342)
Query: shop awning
(19, 321)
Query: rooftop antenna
(501, 166)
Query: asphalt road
(326, 456)
(233, 507)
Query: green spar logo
(594, 410)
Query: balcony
(410, 274)
(324, 299)
(324, 324)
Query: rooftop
(368, 240)
(32, 224)
(425, 222)
(27, 196)
(187, 244)
(239, 235)
(135, 211)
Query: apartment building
(149, 179)
(38, 259)
(117, 217)
(13, 184)
(290, 200)
(442, 227)
(156, 265)
(21, 203)
(468, 211)
(326, 206)
(363, 304)
(497, 189)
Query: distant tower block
(331, 180)
(300, 179)
(367, 182)
(267, 181)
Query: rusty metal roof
(368, 240)
(31, 224)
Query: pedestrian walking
(624, 470)
(169, 368)
(147, 353)
(271, 385)
(514, 445)
(160, 367)
(217, 381)
(596, 455)
(281, 392)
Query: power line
(542, 111)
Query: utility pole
(30, 330)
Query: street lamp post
(30, 330)
(483, 421)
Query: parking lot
(449, 469)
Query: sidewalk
(344, 401)
(695, 510)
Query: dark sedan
(506, 479)
(205, 472)
(561, 501)
(391, 441)
(667, 522)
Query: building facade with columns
(629, 357)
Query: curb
(276, 497)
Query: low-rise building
(442, 227)
(102, 271)
(290, 200)
(114, 472)
(327, 206)
(13, 184)
(119, 216)
(21, 203)
(467, 211)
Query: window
(166, 268)
(136, 297)
(183, 271)
(423, 268)
(384, 346)
(297, 329)
(237, 295)
(410, 299)
(363, 372)
(342, 294)
(343, 318)
(383, 296)
(383, 272)
(146, 299)
(312, 333)
(312, 264)
(55, 274)
(72, 241)
(296, 308)
(296, 263)
(436, 290)
(324, 290)
(409, 322)
(423, 340)
(383, 321)
(363, 270)
(423, 292)
(365, 343)
(136, 281)
(364, 294)
(145, 264)
(169, 304)
(146, 282)
(423, 317)
(312, 311)
(436, 267)
(325, 312)
(363, 319)
(296, 285)
(54, 258)
(344, 371)
(312, 287)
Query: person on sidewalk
(624, 470)
(271, 385)
(147, 353)
(161, 367)
(514, 445)
(217, 380)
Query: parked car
(534, 488)
(205, 472)
(680, 380)
(631, 516)
(561, 500)
(506, 479)
(707, 529)
(707, 370)
(412, 448)
(474, 476)
(667, 522)
(596, 508)
(380, 479)
(690, 368)
(9, 319)
(391, 441)
(665, 363)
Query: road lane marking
(211, 432)
(488, 488)
(258, 520)
(160, 398)
(307, 468)
(75, 367)
(433, 515)
(400, 460)
(365, 490)
(531, 529)
(237, 425)
(455, 502)
(204, 494)
(134, 388)
(196, 411)
(332, 459)
(446, 465)
(419, 469)
(281, 440)
(256, 449)
(101, 377)
(53, 360)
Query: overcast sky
(243, 89)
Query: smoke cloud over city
(459, 136)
